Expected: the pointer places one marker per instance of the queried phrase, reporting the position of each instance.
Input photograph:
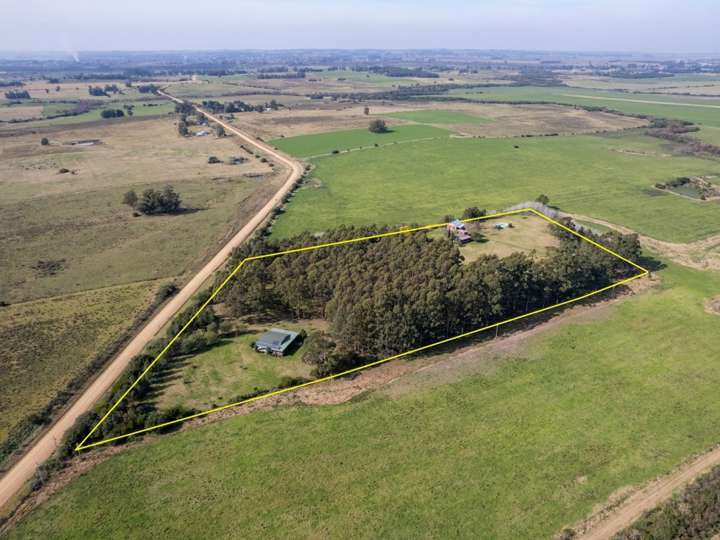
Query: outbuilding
(276, 341)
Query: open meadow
(48, 342)
(508, 443)
(609, 177)
(78, 266)
(700, 110)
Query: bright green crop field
(607, 177)
(694, 109)
(325, 143)
(517, 446)
(439, 116)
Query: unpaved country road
(649, 497)
(43, 448)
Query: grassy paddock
(324, 143)
(439, 117)
(517, 446)
(604, 177)
(47, 342)
(230, 369)
(704, 111)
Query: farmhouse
(456, 229)
(276, 341)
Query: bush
(473, 212)
(377, 126)
(130, 198)
(112, 113)
(213, 160)
(153, 201)
(44, 141)
(166, 291)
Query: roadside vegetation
(694, 513)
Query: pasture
(70, 234)
(438, 116)
(325, 143)
(78, 217)
(608, 177)
(510, 442)
(48, 342)
(139, 109)
(699, 110)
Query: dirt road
(43, 448)
(610, 523)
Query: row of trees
(17, 94)
(100, 91)
(238, 106)
(153, 201)
(387, 296)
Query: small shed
(276, 341)
(456, 225)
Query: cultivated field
(608, 177)
(516, 441)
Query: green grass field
(604, 177)
(140, 109)
(710, 135)
(324, 143)
(705, 111)
(47, 342)
(439, 116)
(510, 446)
(230, 369)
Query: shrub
(377, 126)
(44, 141)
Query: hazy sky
(592, 25)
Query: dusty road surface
(43, 448)
(647, 498)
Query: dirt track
(43, 448)
(607, 524)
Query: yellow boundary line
(82, 446)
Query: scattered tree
(378, 126)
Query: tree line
(387, 296)
(239, 106)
